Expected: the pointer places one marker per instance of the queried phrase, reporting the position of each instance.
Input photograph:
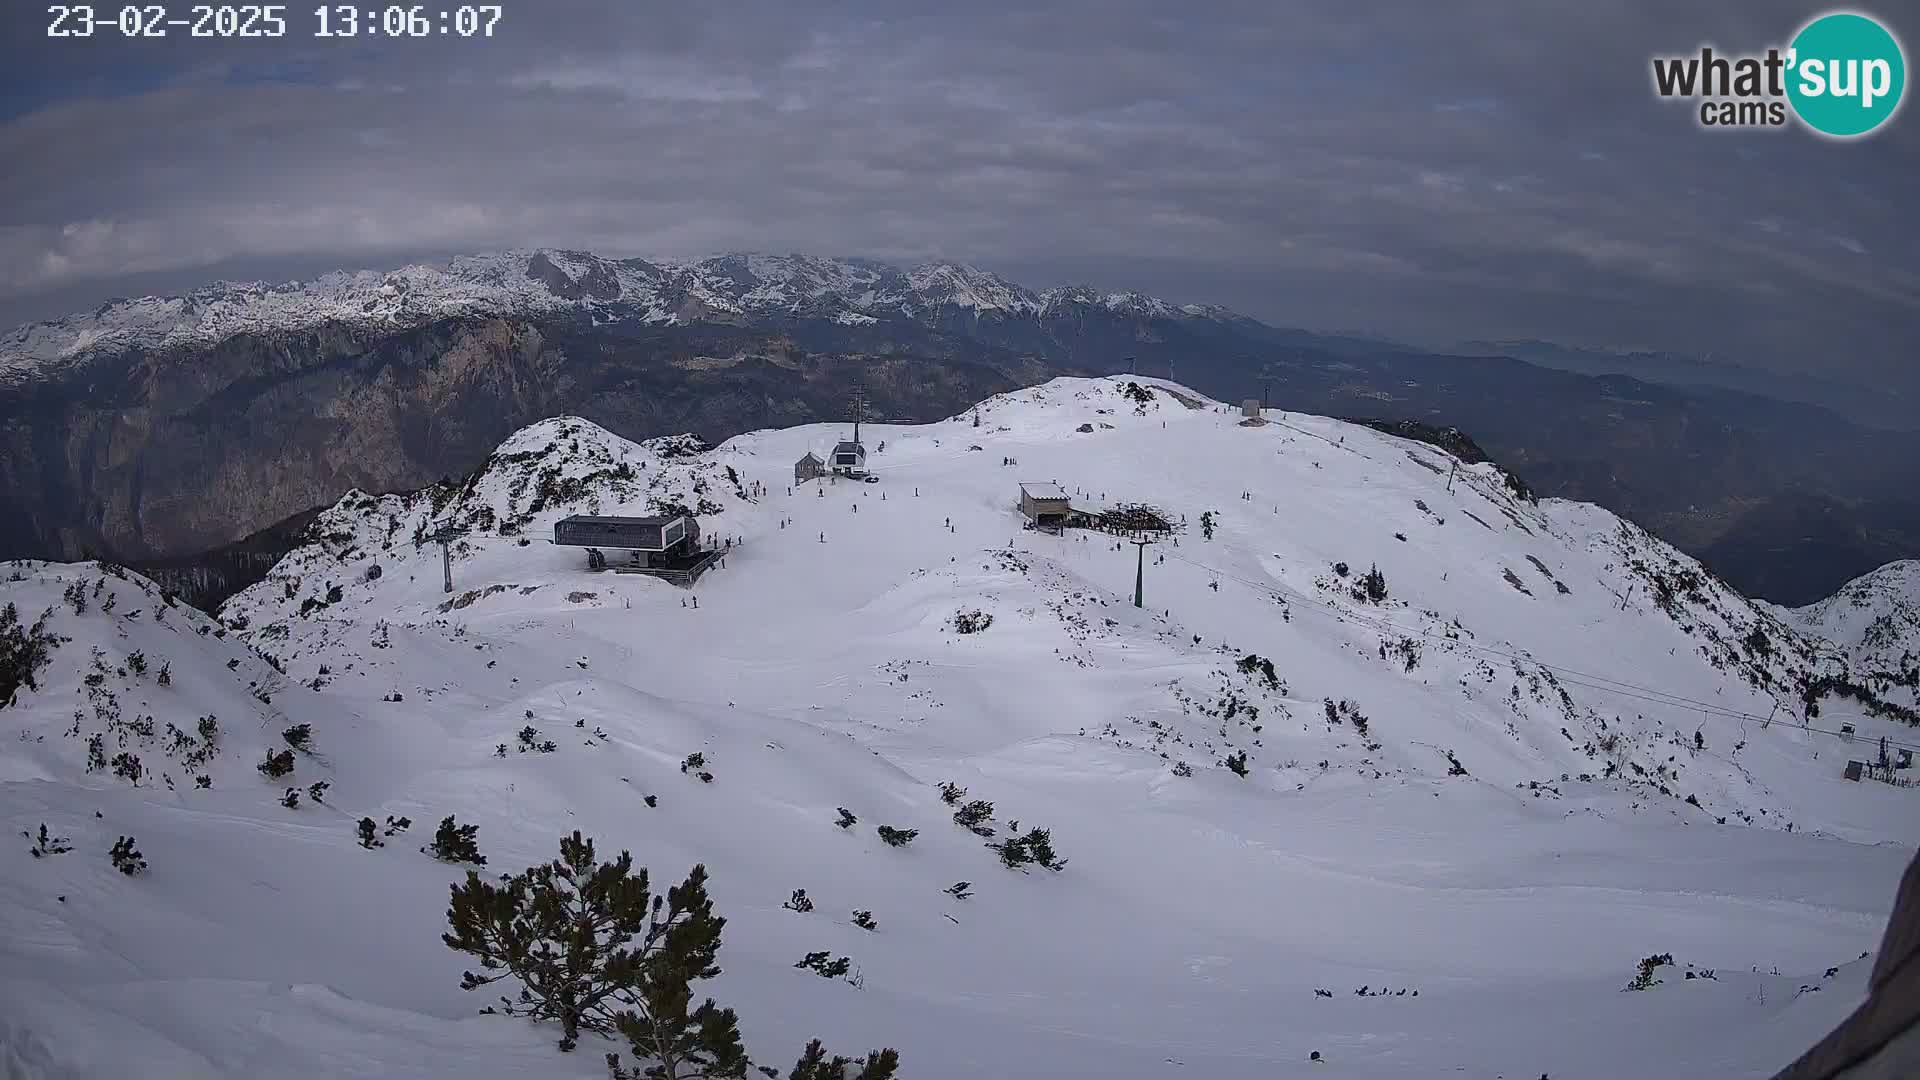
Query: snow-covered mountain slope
(547, 281)
(1874, 620)
(1474, 788)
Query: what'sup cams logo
(1843, 76)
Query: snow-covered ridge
(851, 291)
(1428, 831)
(1874, 621)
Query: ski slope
(1505, 841)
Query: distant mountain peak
(538, 281)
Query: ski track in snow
(1196, 915)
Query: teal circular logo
(1846, 75)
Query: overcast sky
(1426, 171)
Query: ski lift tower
(445, 535)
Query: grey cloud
(1454, 170)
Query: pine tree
(1373, 586)
(455, 843)
(815, 1065)
(299, 736)
(368, 840)
(847, 820)
(897, 837)
(861, 919)
(799, 901)
(277, 765)
(1237, 761)
(951, 793)
(593, 949)
(291, 800)
(24, 651)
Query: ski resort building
(849, 458)
(809, 467)
(665, 546)
(1045, 504)
(1250, 407)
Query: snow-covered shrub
(864, 920)
(897, 837)
(1237, 762)
(1645, 979)
(46, 844)
(847, 820)
(1251, 664)
(299, 736)
(974, 817)
(126, 858)
(367, 831)
(820, 964)
(971, 622)
(951, 793)
(1034, 847)
(277, 765)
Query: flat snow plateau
(1463, 791)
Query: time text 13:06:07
(271, 21)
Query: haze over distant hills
(1875, 406)
(163, 428)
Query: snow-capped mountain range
(852, 291)
(1396, 772)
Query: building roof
(651, 519)
(848, 446)
(810, 456)
(1046, 490)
